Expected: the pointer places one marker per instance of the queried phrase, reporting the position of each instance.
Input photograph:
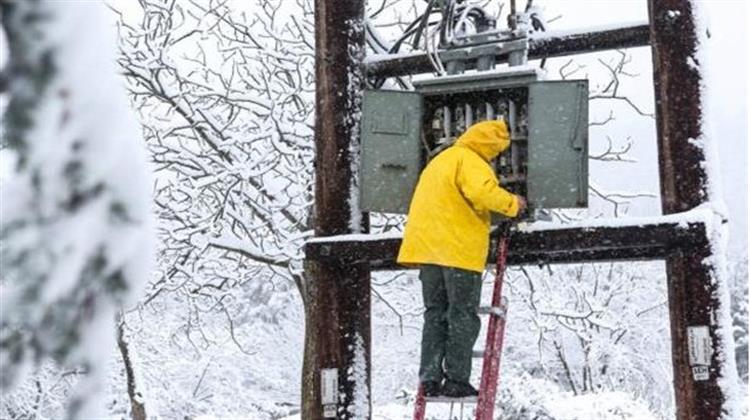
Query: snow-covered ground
(217, 379)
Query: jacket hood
(486, 138)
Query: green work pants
(451, 324)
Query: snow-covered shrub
(527, 398)
(594, 328)
(243, 359)
(43, 393)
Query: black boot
(455, 389)
(431, 388)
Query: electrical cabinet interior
(453, 103)
(548, 123)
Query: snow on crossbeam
(356, 237)
(703, 214)
(536, 243)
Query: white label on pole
(329, 391)
(329, 411)
(699, 346)
(700, 373)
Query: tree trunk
(137, 408)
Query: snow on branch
(226, 100)
(76, 208)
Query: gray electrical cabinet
(391, 156)
(557, 174)
(548, 121)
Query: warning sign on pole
(329, 391)
(699, 351)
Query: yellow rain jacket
(449, 215)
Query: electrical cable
(433, 52)
(456, 18)
(446, 23)
(410, 30)
(374, 39)
(423, 23)
(378, 45)
(465, 18)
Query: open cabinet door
(558, 144)
(391, 149)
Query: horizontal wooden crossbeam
(570, 245)
(554, 45)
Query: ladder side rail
(493, 345)
(420, 405)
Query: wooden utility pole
(336, 372)
(693, 296)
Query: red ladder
(491, 355)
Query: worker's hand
(521, 204)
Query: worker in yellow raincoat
(447, 236)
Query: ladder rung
(442, 399)
(494, 310)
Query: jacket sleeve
(478, 184)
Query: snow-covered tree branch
(76, 238)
